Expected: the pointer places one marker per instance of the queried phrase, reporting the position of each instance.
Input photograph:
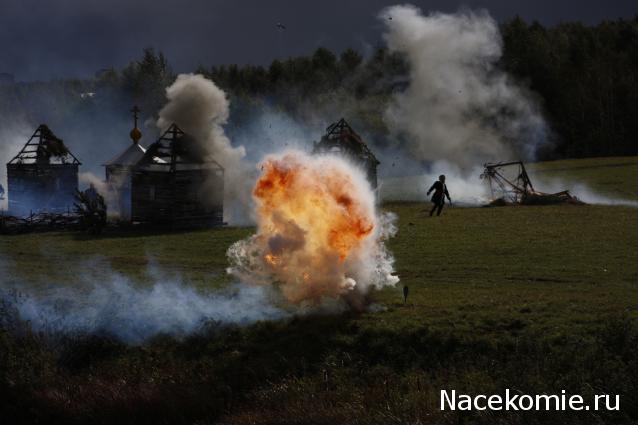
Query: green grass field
(614, 176)
(538, 299)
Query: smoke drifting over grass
(116, 306)
(580, 190)
(589, 196)
(459, 107)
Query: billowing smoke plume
(200, 109)
(319, 235)
(458, 106)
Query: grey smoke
(458, 106)
(201, 109)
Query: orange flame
(318, 234)
(317, 200)
(314, 215)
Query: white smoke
(582, 191)
(464, 185)
(201, 109)
(468, 189)
(86, 179)
(459, 107)
(589, 196)
(114, 305)
(460, 110)
(13, 135)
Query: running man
(440, 192)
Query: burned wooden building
(119, 171)
(43, 176)
(341, 139)
(511, 185)
(177, 183)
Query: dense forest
(586, 79)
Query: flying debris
(510, 185)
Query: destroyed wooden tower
(177, 183)
(119, 171)
(43, 176)
(342, 140)
(510, 185)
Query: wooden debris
(519, 190)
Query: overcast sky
(44, 39)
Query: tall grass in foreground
(316, 370)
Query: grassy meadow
(535, 299)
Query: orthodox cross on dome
(135, 134)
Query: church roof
(177, 150)
(130, 157)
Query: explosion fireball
(319, 235)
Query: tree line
(585, 77)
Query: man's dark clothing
(438, 198)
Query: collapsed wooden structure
(341, 139)
(88, 213)
(43, 176)
(177, 183)
(510, 185)
(38, 222)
